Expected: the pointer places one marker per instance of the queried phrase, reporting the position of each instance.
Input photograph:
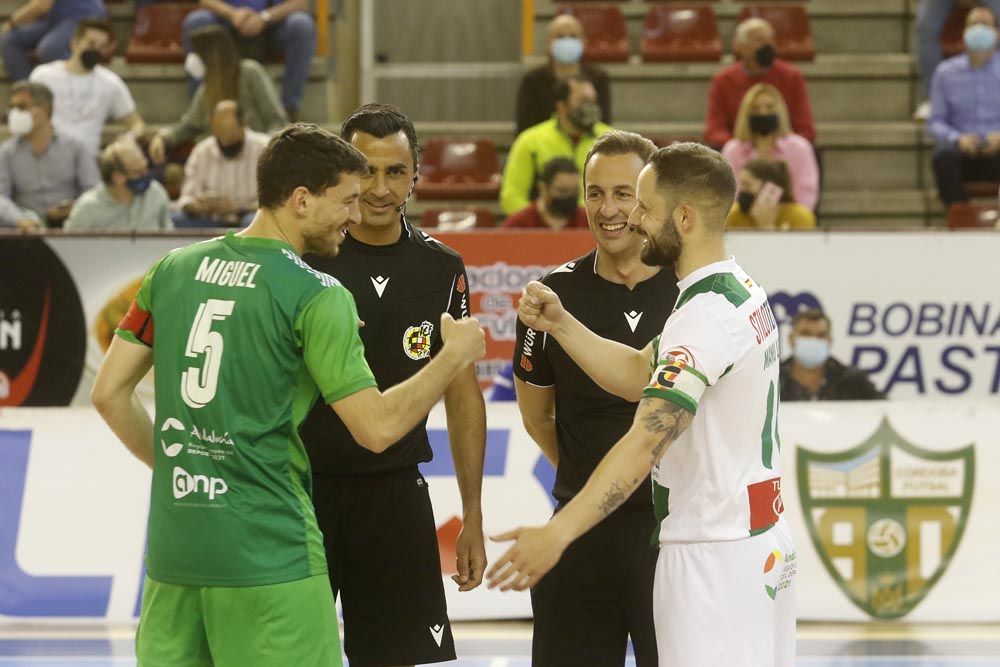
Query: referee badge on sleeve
(417, 341)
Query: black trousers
(952, 168)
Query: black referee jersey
(400, 290)
(589, 420)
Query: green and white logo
(886, 516)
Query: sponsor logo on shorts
(417, 341)
(185, 484)
(780, 578)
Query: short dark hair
(980, 5)
(809, 315)
(557, 165)
(564, 87)
(381, 120)
(690, 171)
(40, 94)
(773, 171)
(620, 142)
(303, 155)
(92, 24)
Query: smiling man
(599, 594)
(375, 510)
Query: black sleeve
(458, 300)
(522, 109)
(861, 388)
(530, 362)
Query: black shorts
(382, 551)
(597, 596)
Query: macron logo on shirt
(379, 283)
(633, 320)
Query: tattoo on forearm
(666, 419)
(616, 495)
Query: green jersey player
(244, 336)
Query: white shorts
(721, 604)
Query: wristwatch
(265, 16)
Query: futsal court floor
(508, 644)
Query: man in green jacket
(569, 133)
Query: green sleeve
(264, 99)
(192, 124)
(328, 331)
(518, 178)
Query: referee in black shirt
(600, 593)
(374, 509)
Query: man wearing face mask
(535, 101)
(753, 45)
(127, 199)
(965, 111)
(811, 374)
(86, 93)
(219, 187)
(42, 171)
(558, 203)
(570, 133)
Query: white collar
(724, 266)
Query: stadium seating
(791, 26)
(156, 35)
(681, 33)
(972, 216)
(459, 169)
(605, 36)
(458, 218)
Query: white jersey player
(706, 425)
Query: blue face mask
(567, 50)
(980, 37)
(812, 352)
(139, 185)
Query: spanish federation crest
(886, 516)
(417, 341)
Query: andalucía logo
(886, 516)
(42, 332)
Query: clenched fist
(464, 336)
(540, 307)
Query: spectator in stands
(558, 203)
(42, 172)
(569, 133)
(932, 15)
(753, 211)
(811, 374)
(753, 45)
(263, 27)
(226, 77)
(86, 94)
(127, 199)
(965, 111)
(220, 184)
(42, 29)
(535, 99)
(763, 131)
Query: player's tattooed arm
(665, 420)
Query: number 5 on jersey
(198, 385)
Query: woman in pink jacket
(763, 131)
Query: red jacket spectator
(731, 84)
(529, 218)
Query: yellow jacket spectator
(765, 200)
(569, 133)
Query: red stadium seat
(791, 27)
(681, 33)
(952, 41)
(459, 169)
(982, 189)
(972, 216)
(156, 35)
(460, 218)
(605, 36)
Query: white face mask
(20, 122)
(194, 66)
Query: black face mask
(746, 200)
(564, 207)
(91, 58)
(230, 151)
(764, 55)
(763, 123)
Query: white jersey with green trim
(718, 358)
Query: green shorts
(293, 623)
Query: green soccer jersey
(245, 335)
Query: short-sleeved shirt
(401, 291)
(245, 335)
(82, 103)
(718, 357)
(589, 420)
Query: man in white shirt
(127, 198)
(706, 427)
(86, 93)
(220, 182)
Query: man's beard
(664, 249)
